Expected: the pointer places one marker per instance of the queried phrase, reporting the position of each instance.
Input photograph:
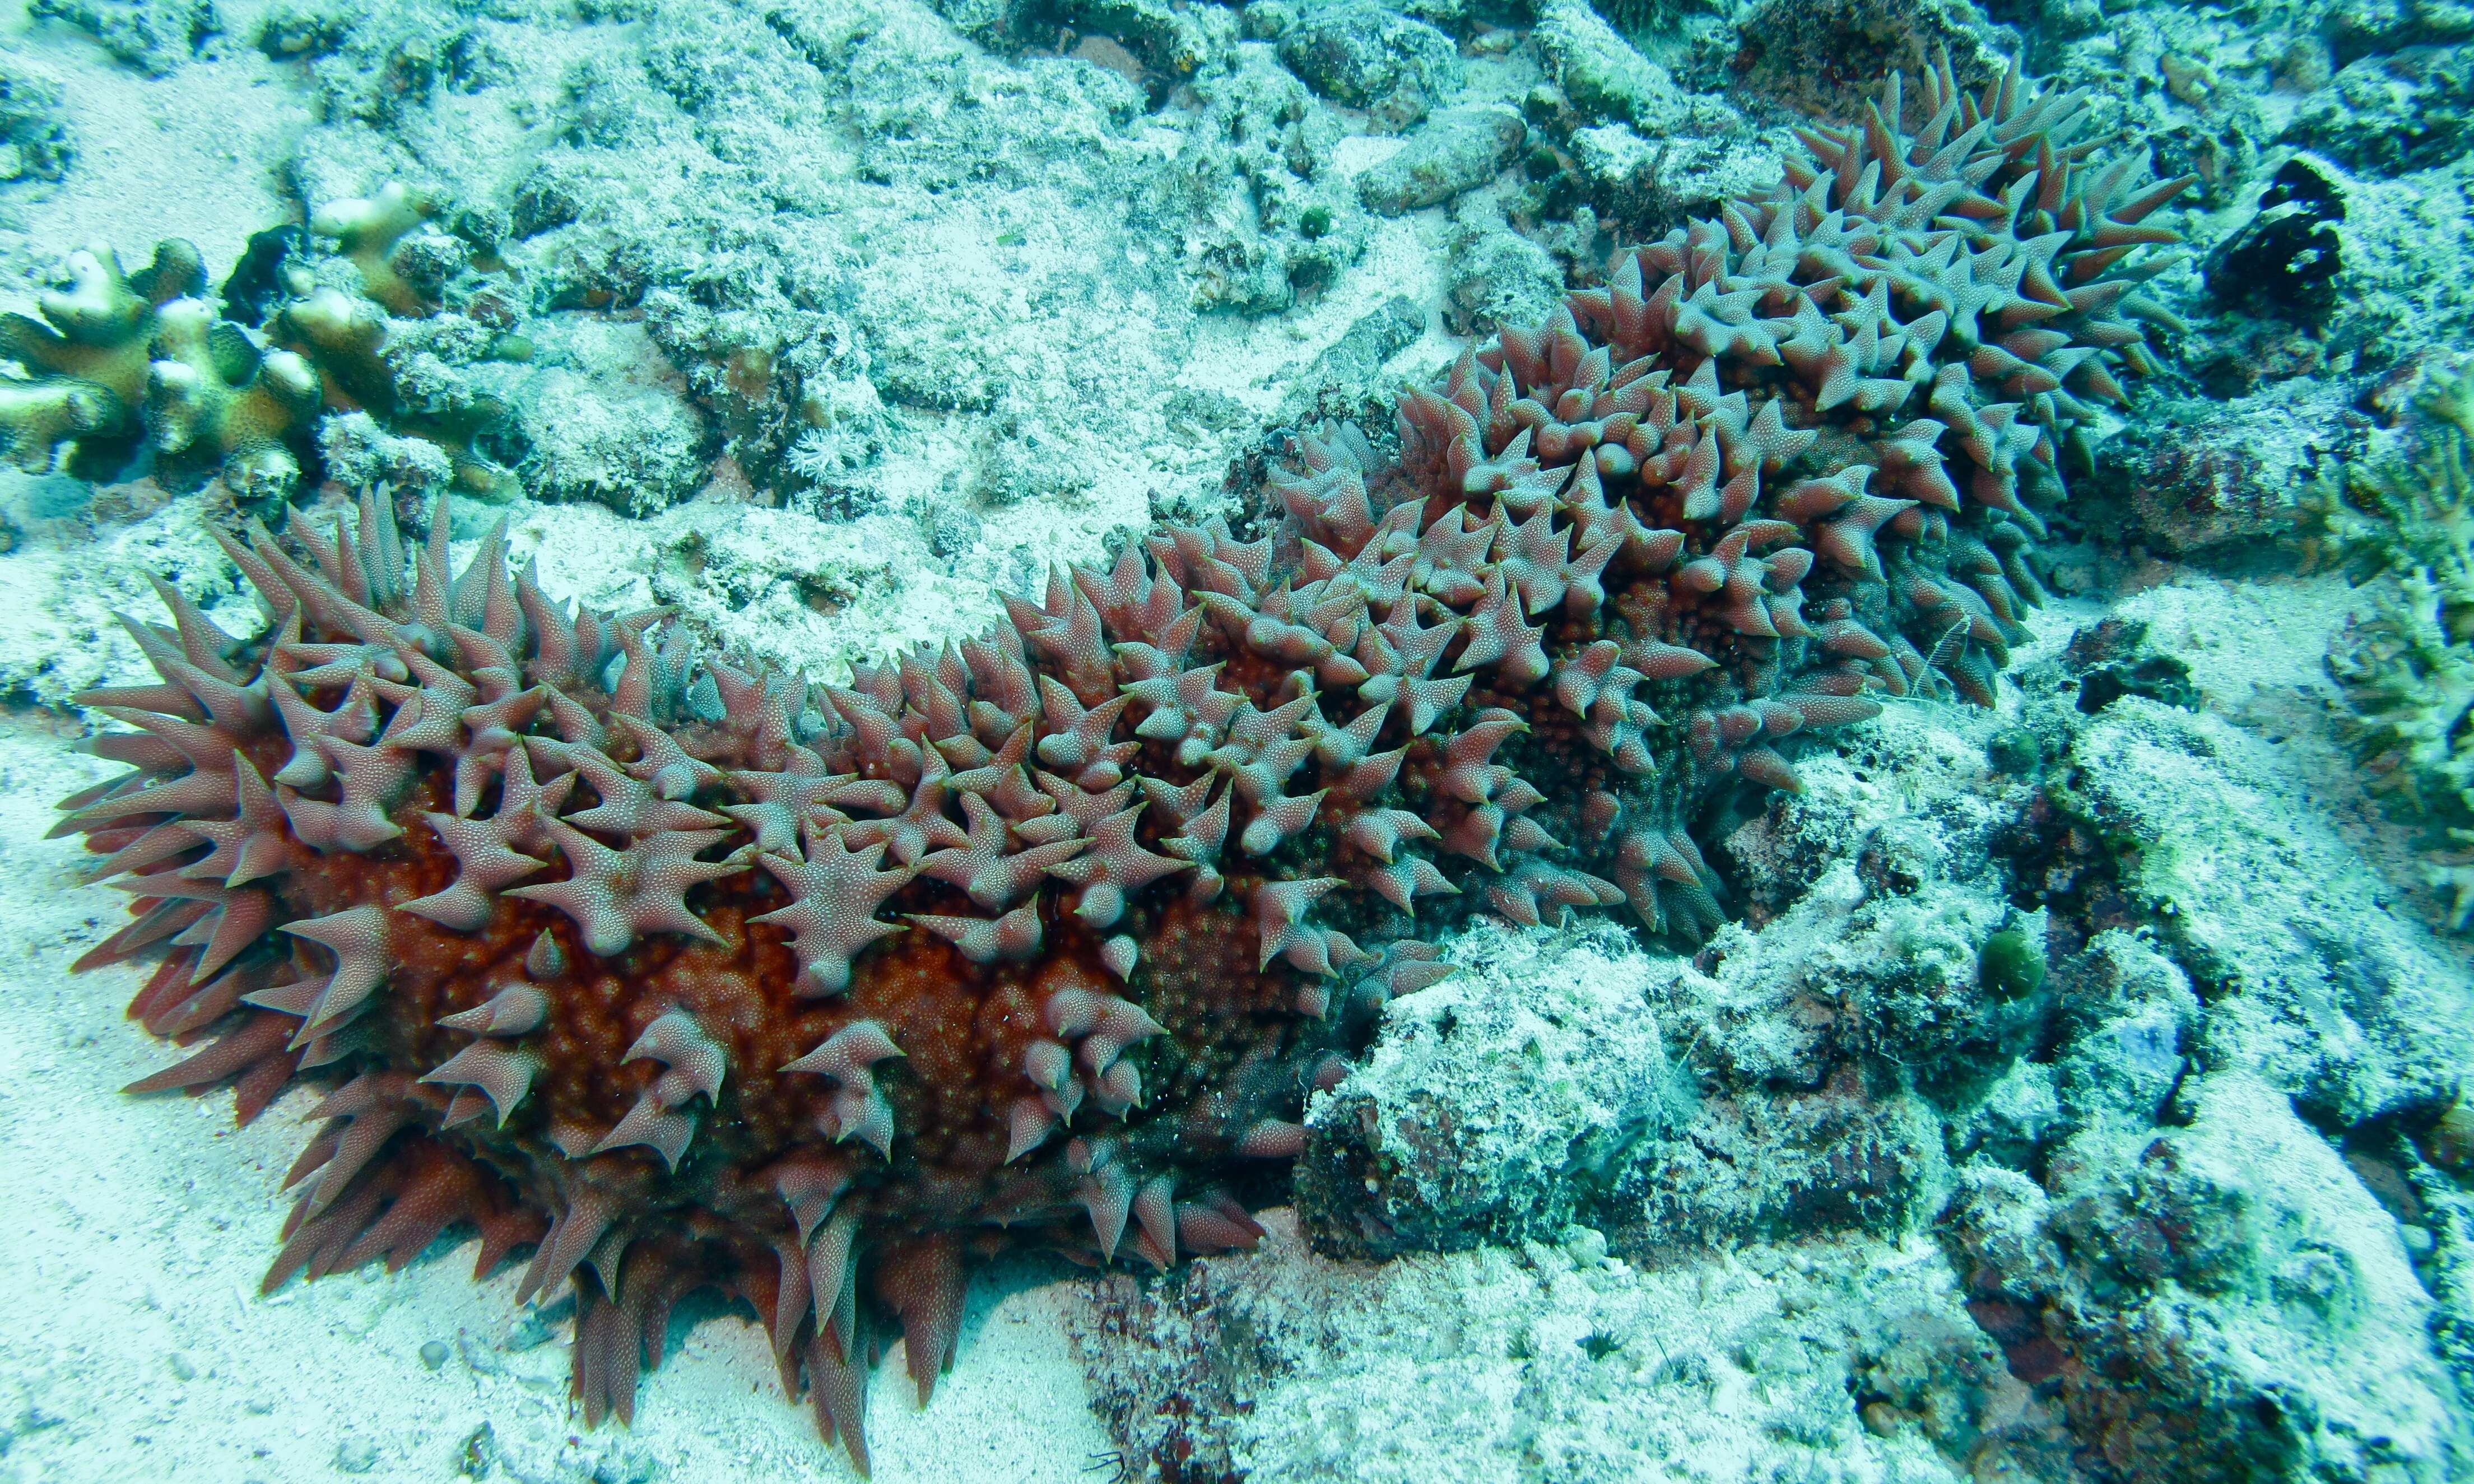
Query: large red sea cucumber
(685, 974)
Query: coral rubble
(689, 975)
(34, 139)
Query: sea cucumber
(692, 975)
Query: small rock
(1456, 152)
(1486, 1113)
(1649, 188)
(1497, 276)
(1362, 54)
(1349, 375)
(2451, 1140)
(1617, 167)
(633, 447)
(1602, 75)
(356, 1455)
(434, 1355)
(480, 1453)
(951, 530)
(2199, 474)
(1267, 20)
(155, 37)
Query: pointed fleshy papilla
(835, 894)
(1279, 909)
(858, 1108)
(1114, 866)
(921, 1281)
(989, 869)
(480, 846)
(504, 1075)
(357, 939)
(252, 845)
(616, 896)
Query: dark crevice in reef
(2286, 260)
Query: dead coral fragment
(348, 337)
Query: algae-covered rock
(2410, 109)
(1455, 152)
(2224, 1300)
(1266, 221)
(2407, 666)
(2319, 989)
(361, 454)
(1552, 1360)
(2131, 1015)
(1360, 54)
(1496, 1104)
(152, 36)
(1605, 77)
(1779, 1168)
(636, 449)
(2201, 474)
(1347, 381)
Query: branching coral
(691, 976)
(2408, 667)
(368, 231)
(119, 358)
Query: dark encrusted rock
(2200, 472)
(2222, 1302)
(2286, 258)
(2408, 109)
(2113, 659)
(1357, 53)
